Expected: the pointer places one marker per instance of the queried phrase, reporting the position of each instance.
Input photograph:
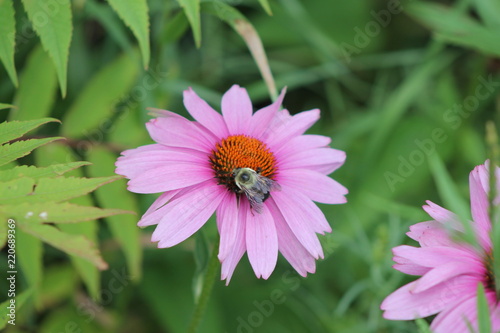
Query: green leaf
(95, 103)
(30, 257)
(455, 28)
(91, 276)
(3, 230)
(4, 310)
(54, 189)
(53, 212)
(36, 173)
(192, 10)
(266, 6)
(135, 16)
(16, 188)
(72, 244)
(13, 151)
(10, 130)
(124, 227)
(423, 326)
(483, 311)
(201, 257)
(37, 87)
(59, 284)
(52, 22)
(489, 10)
(7, 38)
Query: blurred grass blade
(483, 311)
(6, 106)
(13, 151)
(115, 195)
(192, 10)
(95, 103)
(36, 173)
(201, 257)
(489, 11)
(54, 212)
(4, 310)
(10, 130)
(246, 30)
(135, 15)
(455, 28)
(423, 326)
(58, 189)
(266, 6)
(72, 244)
(37, 87)
(7, 38)
(52, 22)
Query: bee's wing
(255, 198)
(266, 185)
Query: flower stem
(208, 283)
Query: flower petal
(237, 109)
(403, 304)
(479, 208)
(443, 215)
(302, 143)
(314, 185)
(455, 318)
(263, 117)
(171, 177)
(302, 220)
(187, 214)
(262, 242)
(295, 126)
(239, 246)
(205, 114)
(435, 256)
(180, 132)
(322, 160)
(291, 248)
(228, 222)
(151, 216)
(445, 272)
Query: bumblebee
(256, 187)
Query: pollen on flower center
(241, 151)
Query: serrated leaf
(135, 15)
(13, 151)
(95, 103)
(37, 87)
(58, 189)
(10, 130)
(30, 258)
(7, 38)
(456, 28)
(36, 172)
(16, 188)
(124, 227)
(91, 276)
(192, 10)
(72, 244)
(266, 6)
(4, 310)
(52, 22)
(53, 212)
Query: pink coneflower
(451, 269)
(258, 172)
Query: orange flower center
(241, 151)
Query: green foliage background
(397, 84)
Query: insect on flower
(258, 172)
